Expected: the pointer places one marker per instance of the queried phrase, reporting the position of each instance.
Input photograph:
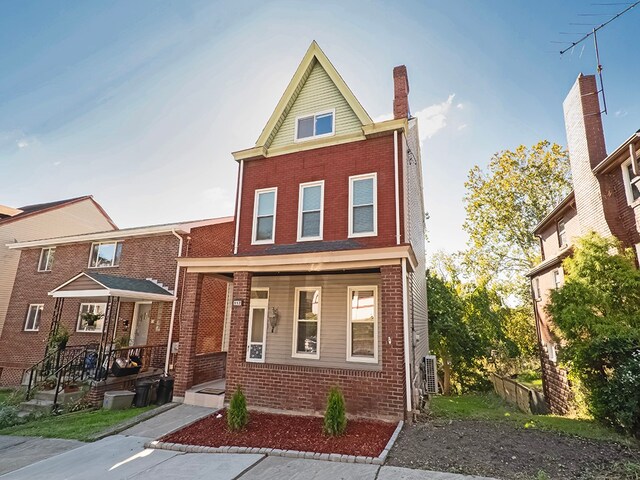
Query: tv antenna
(594, 33)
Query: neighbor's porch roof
(98, 285)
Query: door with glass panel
(257, 333)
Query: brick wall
(209, 366)
(334, 165)
(142, 257)
(212, 310)
(378, 394)
(557, 391)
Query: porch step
(35, 405)
(63, 398)
(210, 394)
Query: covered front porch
(107, 332)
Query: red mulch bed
(287, 432)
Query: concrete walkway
(168, 421)
(17, 452)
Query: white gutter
(173, 305)
(395, 161)
(405, 318)
(239, 200)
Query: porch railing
(130, 360)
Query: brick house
(127, 277)
(326, 274)
(43, 220)
(605, 199)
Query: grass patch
(5, 394)
(531, 380)
(75, 426)
(493, 408)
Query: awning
(89, 284)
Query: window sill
(305, 356)
(30, 331)
(362, 235)
(103, 266)
(362, 360)
(309, 239)
(314, 137)
(88, 331)
(262, 242)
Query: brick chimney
(595, 201)
(400, 92)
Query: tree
(503, 205)
(597, 315)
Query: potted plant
(90, 318)
(60, 338)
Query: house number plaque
(237, 303)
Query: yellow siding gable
(318, 93)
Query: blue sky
(140, 103)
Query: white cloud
(434, 118)
(460, 106)
(621, 113)
(55, 164)
(22, 143)
(462, 127)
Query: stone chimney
(595, 202)
(400, 92)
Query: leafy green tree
(504, 203)
(597, 313)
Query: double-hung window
(310, 211)
(320, 124)
(362, 205)
(34, 313)
(562, 233)
(536, 289)
(105, 254)
(264, 217)
(557, 279)
(46, 259)
(306, 322)
(632, 188)
(88, 324)
(362, 333)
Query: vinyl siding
(333, 326)
(82, 283)
(317, 94)
(414, 225)
(77, 218)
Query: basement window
(315, 126)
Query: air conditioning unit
(431, 374)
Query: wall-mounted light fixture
(274, 316)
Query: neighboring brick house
(605, 199)
(44, 220)
(326, 274)
(128, 276)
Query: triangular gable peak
(315, 87)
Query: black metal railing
(76, 369)
(119, 362)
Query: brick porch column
(391, 297)
(189, 318)
(238, 332)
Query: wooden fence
(526, 399)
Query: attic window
(314, 126)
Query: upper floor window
(537, 295)
(557, 279)
(562, 233)
(46, 259)
(314, 126)
(91, 317)
(362, 333)
(32, 323)
(310, 216)
(362, 205)
(631, 188)
(264, 217)
(105, 254)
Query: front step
(35, 405)
(63, 397)
(210, 395)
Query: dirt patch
(287, 432)
(499, 450)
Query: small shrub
(335, 417)
(237, 415)
(9, 416)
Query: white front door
(141, 317)
(257, 334)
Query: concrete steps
(209, 394)
(42, 401)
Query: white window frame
(352, 180)
(557, 278)
(79, 321)
(256, 303)
(296, 302)
(627, 183)
(115, 251)
(49, 250)
(537, 294)
(314, 115)
(564, 233)
(350, 356)
(256, 198)
(320, 184)
(40, 307)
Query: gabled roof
(113, 286)
(314, 55)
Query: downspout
(238, 201)
(405, 318)
(396, 168)
(174, 303)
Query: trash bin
(143, 393)
(165, 390)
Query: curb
(121, 427)
(275, 452)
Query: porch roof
(90, 284)
(304, 262)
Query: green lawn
(493, 408)
(78, 426)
